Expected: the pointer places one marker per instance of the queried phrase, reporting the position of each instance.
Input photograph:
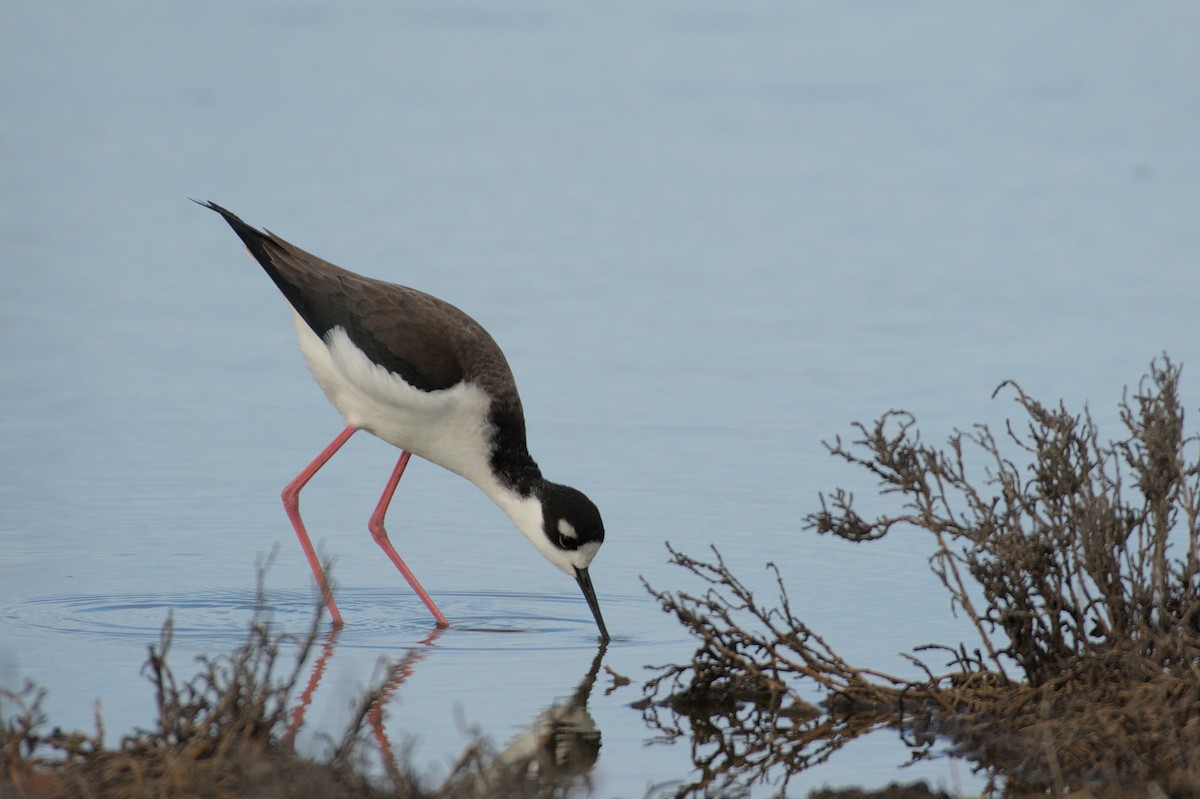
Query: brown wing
(428, 342)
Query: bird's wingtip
(213, 207)
(235, 221)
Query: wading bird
(422, 375)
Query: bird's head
(569, 536)
(571, 528)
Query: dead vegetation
(1078, 568)
(228, 733)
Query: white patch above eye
(566, 529)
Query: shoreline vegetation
(1075, 559)
(1078, 566)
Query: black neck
(510, 460)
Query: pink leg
(291, 503)
(381, 537)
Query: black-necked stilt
(422, 375)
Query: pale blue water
(708, 237)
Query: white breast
(448, 427)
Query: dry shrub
(740, 702)
(1078, 569)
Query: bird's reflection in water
(314, 679)
(559, 748)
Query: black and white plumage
(424, 376)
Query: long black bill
(589, 593)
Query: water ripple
(374, 618)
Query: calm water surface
(707, 236)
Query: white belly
(448, 427)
